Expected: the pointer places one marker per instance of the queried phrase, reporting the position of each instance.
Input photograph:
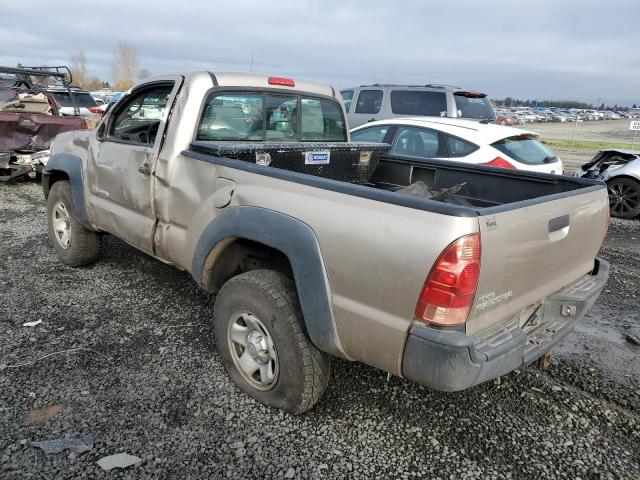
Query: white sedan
(461, 141)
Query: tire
(78, 246)
(624, 197)
(266, 303)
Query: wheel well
(627, 177)
(50, 178)
(234, 256)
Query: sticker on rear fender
(317, 158)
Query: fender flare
(298, 242)
(71, 165)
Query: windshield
(474, 106)
(525, 149)
(265, 117)
(83, 100)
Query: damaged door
(122, 174)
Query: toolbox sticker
(317, 158)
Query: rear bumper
(451, 361)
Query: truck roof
(252, 80)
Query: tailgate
(531, 251)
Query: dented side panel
(32, 132)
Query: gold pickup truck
(444, 273)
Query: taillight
(286, 82)
(95, 110)
(450, 288)
(498, 162)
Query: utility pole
(251, 66)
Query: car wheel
(624, 197)
(262, 343)
(74, 244)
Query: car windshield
(265, 117)
(473, 106)
(82, 100)
(525, 149)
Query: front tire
(624, 197)
(74, 244)
(262, 344)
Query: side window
(459, 147)
(369, 101)
(347, 96)
(419, 102)
(140, 116)
(371, 134)
(416, 142)
(232, 116)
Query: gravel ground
(125, 352)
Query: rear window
(371, 134)
(82, 100)
(263, 117)
(369, 101)
(417, 102)
(347, 96)
(525, 149)
(474, 107)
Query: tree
(94, 83)
(124, 66)
(79, 69)
(143, 73)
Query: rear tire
(74, 244)
(624, 197)
(262, 344)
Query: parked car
(446, 274)
(466, 141)
(505, 120)
(29, 120)
(368, 103)
(74, 101)
(620, 169)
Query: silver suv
(380, 102)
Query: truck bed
(475, 190)
(540, 232)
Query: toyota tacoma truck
(443, 273)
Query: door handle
(144, 169)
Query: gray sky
(561, 49)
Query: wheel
(74, 244)
(624, 197)
(262, 344)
